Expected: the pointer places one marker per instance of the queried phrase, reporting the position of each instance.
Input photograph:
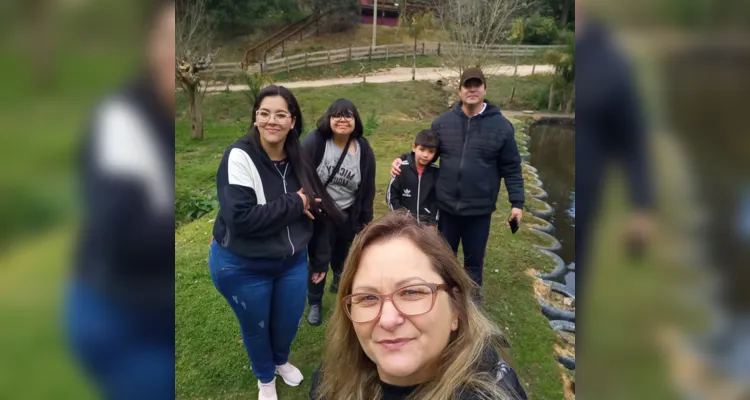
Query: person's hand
(640, 226)
(515, 213)
(396, 167)
(638, 230)
(318, 276)
(305, 204)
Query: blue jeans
(127, 351)
(268, 298)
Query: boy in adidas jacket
(414, 188)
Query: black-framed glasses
(412, 300)
(347, 115)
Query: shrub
(371, 124)
(540, 30)
(189, 207)
(255, 82)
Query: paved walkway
(398, 75)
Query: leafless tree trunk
(551, 100)
(196, 112)
(475, 27)
(569, 104)
(414, 61)
(565, 13)
(194, 55)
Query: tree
(416, 24)
(516, 36)
(475, 26)
(565, 73)
(194, 55)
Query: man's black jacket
(413, 192)
(475, 153)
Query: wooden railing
(258, 53)
(328, 57)
(260, 48)
(390, 51)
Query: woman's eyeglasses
(411, 300)
(264, 116)
(348, 115)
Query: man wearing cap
(477, 148)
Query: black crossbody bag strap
(341, 161)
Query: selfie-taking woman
(268, 195)
(405, 325)
(345, 164)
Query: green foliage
(371, 123)
(564, 59)
(517, 30)
(417, 23)
(255, 82)
(232, 17)
(189, 207)
(540, 30)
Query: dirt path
(397, 75)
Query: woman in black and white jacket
(349, 180)
(268, 195)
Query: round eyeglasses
(263, 116)
(410, 300)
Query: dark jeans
(127, 351)
(340, 238)
(268, 298)
(473, 232)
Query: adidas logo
(407, 193)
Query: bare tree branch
(475, 26)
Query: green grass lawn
(211, 361)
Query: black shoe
(335, 284)
(314, 315)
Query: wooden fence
(390, 51)
(386, 52)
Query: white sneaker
(267, 391)
(290, 374)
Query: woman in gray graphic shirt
(351, 184)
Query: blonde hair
(348, 374)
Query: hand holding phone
(513, 225)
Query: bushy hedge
(540, 30)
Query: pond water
(552, 148)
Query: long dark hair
(302, 166)
(337, 108)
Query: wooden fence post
(422, 48)
(386, 56)
(438, 50)
(305, 60)
(369, 56)
(329, 57)
(350, 53)
(286, 61)
(533, 68)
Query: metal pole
(374, 22)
